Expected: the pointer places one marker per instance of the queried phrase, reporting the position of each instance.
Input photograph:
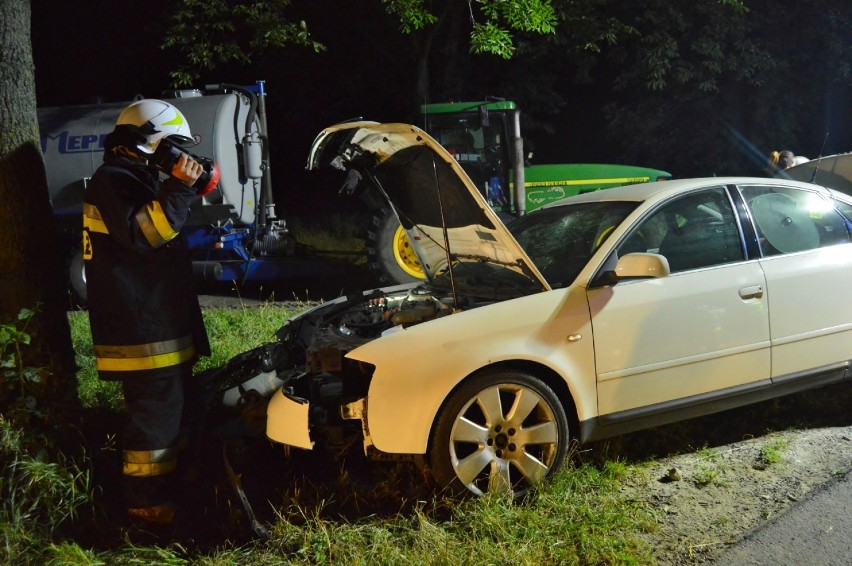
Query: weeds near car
(773, 452)
(577, 518)
(708, 471)
(37, 495)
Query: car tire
(389, 251)
(503, 430)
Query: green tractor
(485, 138)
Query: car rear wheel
(501, 431)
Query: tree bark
(31, 268)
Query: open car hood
(446, 218)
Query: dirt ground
(714, 488)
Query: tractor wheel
(389, 251)
(77, 277)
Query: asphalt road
(815, 532)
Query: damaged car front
(376, 368)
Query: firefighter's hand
(187, 169)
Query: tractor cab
(484, 137)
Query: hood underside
(449, 223)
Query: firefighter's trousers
(155, 407)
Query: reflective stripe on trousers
(138, 357)
(148, 463)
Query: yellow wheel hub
(405, 256)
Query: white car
(598, 315)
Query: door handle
(751, 292)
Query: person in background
(781, 160)
(146, 322)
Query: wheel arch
(546, 374)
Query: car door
(807, 259)
(701, 329)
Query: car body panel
(428, 360)
(429, 191)
(681, 335)
(287, 421)
(810, 326)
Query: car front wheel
(501, 431)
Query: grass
(231, 331)
(36, 496)
(708, 472)
(773, 452)
(577, 518)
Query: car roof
(664, 189)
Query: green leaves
(412, 14)
(492, 21)
(209, 33)
(491, 38)
(12, 337)
(523, 15)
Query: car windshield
(560, 240)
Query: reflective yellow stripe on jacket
(148, 463)
(144, 356)
(93, 220)
(154, 224)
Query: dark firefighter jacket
(143, 309)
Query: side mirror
(637, 265)
(641, 266)
(484, 120)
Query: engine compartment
(308, 359)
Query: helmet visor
(184, 141)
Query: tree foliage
(705, 87)
(492, 21)
(209, 33)
(713, 87)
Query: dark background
(93, 51)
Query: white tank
(72, 140)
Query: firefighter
(146, 322)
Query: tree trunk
(31, 269)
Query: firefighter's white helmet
(156, 120)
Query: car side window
(791, 220)
(692, 231)
(846, 210)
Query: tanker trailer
(234, 233)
